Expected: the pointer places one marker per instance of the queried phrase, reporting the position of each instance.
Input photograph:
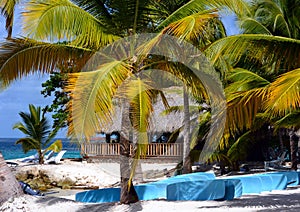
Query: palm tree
(35, 126)
(268, 54)
(8, 9)
(9, 186)
(86, 26)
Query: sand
(287, 200)
(107, 174)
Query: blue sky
(21, 93)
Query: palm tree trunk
(128, 194)
(293, 146)
(187, 168)
(9, 186)
(281, 133)
(41, 156)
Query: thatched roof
(159, 122)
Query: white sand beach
(107, 174)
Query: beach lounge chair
(56, 159)
(34, 158)
(49, 155)
(29, 159)
(278, 163)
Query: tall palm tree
(9, 186)
(38, 134)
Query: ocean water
(11, 150)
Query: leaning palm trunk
(9, 186)
(128, 193)
(293, 146)
(186, 135)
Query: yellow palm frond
(239, 7)
(284, 95)
(242, 108)
(63, 20)
(195, 28)
(21, 57)
(92, 93)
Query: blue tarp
(276, 181)
(196, 190)
(251, 184)
(99, 195)
(155, 190)
(233, 189)
(292, 177)
(160, 189)
(199, 186)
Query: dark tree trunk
(128, 193)
(293, 146)
(281, 134)
(186, 165)
(9, 186)
(41, 157)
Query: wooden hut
(104, 147)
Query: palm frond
(243, 80)
(291, 120)
(240, 149)
(252, 26)
(239, 7)
(275, 50)
(284, 96)
(200, 29)
(242, 108)
(20, 126)
(7, 9)
(92, 94)
(28, 144)
(96, 8)
(44, 58)
(56, 146)
(63, 20)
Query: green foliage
(56, 86)
(38, 132)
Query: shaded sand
(287, 200)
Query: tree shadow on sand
(263, 202)
(91, 207)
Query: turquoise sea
(10, 150)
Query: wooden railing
(153, 149)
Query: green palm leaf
(28, 144)
(243, 80)
(44, 57)
(252, 26)
(66, 21)
(239, 7)
(240, 149)
(291, 120)
(275, 50)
